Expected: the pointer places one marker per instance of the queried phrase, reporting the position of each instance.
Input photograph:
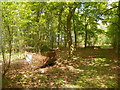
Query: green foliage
(32, 23)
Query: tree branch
(109, 9)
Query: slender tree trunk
(59, 24)
(65, 41)
(61, 40)
(52, 39)
(75, 33)
(37, 46)
(86, 33)
(86, 36)
(10, 52)
(69, 37)
(59, 18)
(65, 38)
(114, 41)
(58, 41)
(10, 46)
(3, 56)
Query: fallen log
(50, 58)
(41, 60)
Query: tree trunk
(65, 38)
(114, 40)
(37, 46)
(69, 37)
(58, 41)
(75, 33)
(10, 53)
(65, 41)
(86, 33)
(10, 46)
(3, 56)
(59, 18)
(59, 24)
(52, 39)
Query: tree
(114, 20)
(72, 8)
(7, 37)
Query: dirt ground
(88, 68)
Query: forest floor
(88, 68)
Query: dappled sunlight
(72, 86)
(94, 80)
(72, 69)
(75, 72)
(60, 81)
(99, 62)
(75, 58)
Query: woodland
(60, 44)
